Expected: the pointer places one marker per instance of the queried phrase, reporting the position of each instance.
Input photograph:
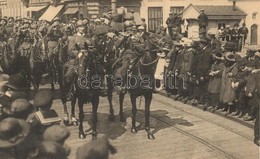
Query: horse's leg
(134, 112)
(121, 113)
(109, 97)
(95, 102)
(81, 117)
(148, 99)
(74, 121)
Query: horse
(144, 71)
(141, 82)
(32, 63)
(9, 57)
(86, 66)
(38, 62)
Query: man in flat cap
(203, 20)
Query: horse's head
(41, 46)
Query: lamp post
(113, 6)
(79, 9)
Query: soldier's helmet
(80, 23)
(56, 19)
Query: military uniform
(131, 55)
(76, 43)
(25, 39)
(3, 38)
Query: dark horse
(143, 74)
(8, 57)
(142, 78)
(83, 88)
(32, 63)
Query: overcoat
(215, 81)
(227, 93)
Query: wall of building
(248, 6)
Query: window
(177, 10)
(155, 17)
(254, 15)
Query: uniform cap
(56, 19)
(80, 23)
(97, 20)
(111, 35)
(141, 28)
(75, 19)
(257, 53)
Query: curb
(248, 124)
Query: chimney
(234, 5)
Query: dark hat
(229, 56)
(218, 56)
(19, 108)
(12, 132)
(51, 150)
(143, 19)
(98, 148)
(56, 133)
(17, 82)
(236, 24)
(43, 98)
(242, 62)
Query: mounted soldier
(77, 42)
(10, 27)
(54, 34)
(3, 34)
(24, 39)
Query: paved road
(181, 131)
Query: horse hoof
(150, 136)
(111, 118)
(74, 121)
(82, 135)
(94, 135)
(133, 130)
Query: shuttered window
(177, 10)
(155, 17)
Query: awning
(51, 13)
(71, 11)
(35, 8)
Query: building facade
(157, 11)
(12, 8)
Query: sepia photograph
(129, 79)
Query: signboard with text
(93, 9)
